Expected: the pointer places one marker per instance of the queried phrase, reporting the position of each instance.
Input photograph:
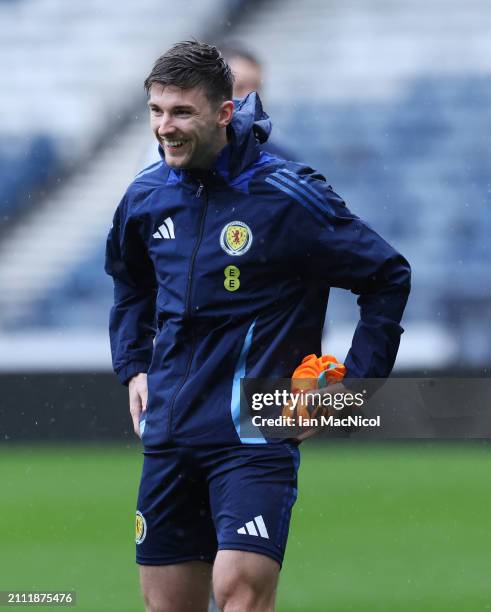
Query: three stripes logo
(256, 527)
(304, 193)
(166, 230)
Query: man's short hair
(191, 64)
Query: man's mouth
(174, 144)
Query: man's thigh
(252, 491)
(245, 580)
(173, 522)
(184, 587)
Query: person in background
(246, 68)
(249, 76)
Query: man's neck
(221, 144)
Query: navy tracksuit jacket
(225, 274)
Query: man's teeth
(174, 143)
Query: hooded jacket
(225, 274)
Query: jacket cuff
(130, 370)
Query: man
(248, 77)
(247, 73)
(246, 68)
(222, 257)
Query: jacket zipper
(188, 303)
(195, 252)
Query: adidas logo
(166, 230)
(252, 528)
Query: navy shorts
(194, 501)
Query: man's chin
(177, 164)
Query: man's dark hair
(190, 64)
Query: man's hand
(316, 375)
(138, 393)
(329, 390)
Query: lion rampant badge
(236, 238)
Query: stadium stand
(73, 71)
(24, 172)
(394, 111)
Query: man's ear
(225, 113)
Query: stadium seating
(71, 103)
(24, 174)
(395, 115)
(376, 166)
(83, 301)
(71, 72)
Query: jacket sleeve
(132, 318)
(351, 255)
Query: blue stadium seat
(410, 168)
(25, 172)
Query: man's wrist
(126, 373)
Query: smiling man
(190, 130)
(222, 257)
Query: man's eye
(155, 111)
(183, 112)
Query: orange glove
(314, 373)
(317, 372)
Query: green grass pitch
(376, 528)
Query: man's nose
(166, 125)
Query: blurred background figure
(248, 76)
(246, 67)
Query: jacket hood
(249, 128)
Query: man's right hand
(138, 393)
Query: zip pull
(200, 189)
